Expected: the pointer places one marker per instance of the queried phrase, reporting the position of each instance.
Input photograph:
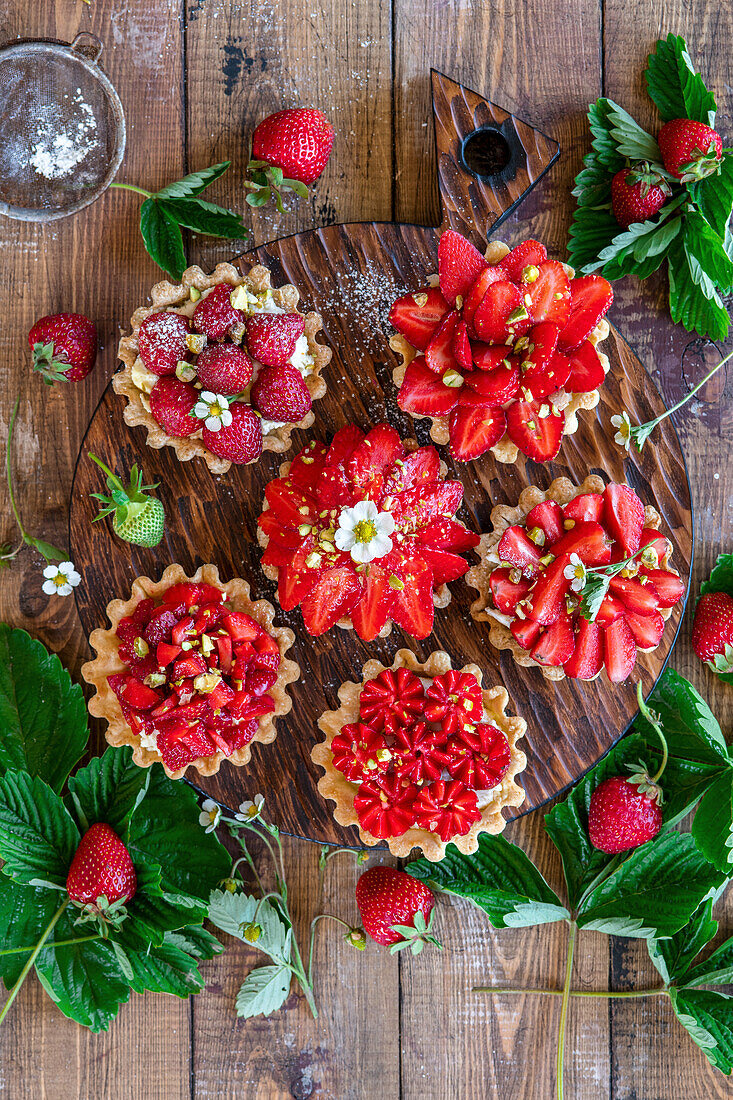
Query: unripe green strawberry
(136, 517)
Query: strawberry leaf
(676, 89)
(25, 912)
(206, 218)
(702, 242)
(109, 788)
(169, 968)
(42, 713)
(232, 913)
(162, 238)
(194, 183)
(721, 578)
(693, 300)
(714, 196)
(717, 969)
(631, 140)
(38, 837)
(263, 991)
(691, 728)
(708, 1017)
(641, 248)
(672, 957)
(712, 826)
(593, 228)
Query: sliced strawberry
(646, 629)
(536, 436)
(588, 540)
(277, 556)
(165, 653)
(496, 386)
(422, 467)
(518, 549)
(548, 517)
(423, 393)
(285, 537)
(373, 456)
(439, 352)
(422, 505)
(549, 592)
(446, 567)
(668, 586)
(374, 608)
(525, 631)
(610, 610)
(343, 445)
(462, 348)
(556, 645)
(490, 275)
(138, 695)
(549, 294)
(182, 630)
(474, 429)
(417, 315)
(587, 660)
(505, 592)
(590, 298)
(651, 537)
(189, 667)
(492, 316)
(586, 369)
(620, 651)
(586, 508)
(640, 599)
(241, 627)
(291, 506)
(624, 516)
(335, 595)
(545, 382)
(448, 534)
(296, 580)
(488, 356)
(536, 358)
(412, 605)
(529, 253)
(306, 466)
(459, 265)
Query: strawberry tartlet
(548, 586)
(192, 672)
(363, 534)
(419, 755)
(222, 366)
(501, 350)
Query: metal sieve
(62, 130)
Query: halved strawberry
(588, 540)
(491, 319)
(296, 580)
(587, 660)
(333, 597)
(424, 393)
(459, 265)
(412, 605)
(590, 298)
(586, 369)
(640, 599)
(374, 608)
(518, 549)
(376, 453)
(651, 537)
(548, 297)
(610, 610)
(548, 517)
(417, 315)
(668, 586)
(620, 647)
(487, 357)
(549, 592)
(462, 348)
(439, 352)
(647, 629)
(624, 516)
(422, 505)
(537, 356)
(507, 593)
(474, 428)
(448, 534)
(529, 253)
(541, 383)
(489, 275)
(556, 645)
(343, 445)
(287, 503)
(587, 508)
(539, 437)
(496, 386)
(421, 467)
(446, 566)
(525, 631)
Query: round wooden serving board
(351, 274)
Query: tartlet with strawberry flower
(363, 533)
(576, 579)
(501, 351)
(222, 366)
(191, 671)
(420, 755)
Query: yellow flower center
(365, 530)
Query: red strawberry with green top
(417, 315)
(624, 813)
(396, 909)
(161, 342)
(102, 877)
(240, 441)
(459, 265)
(225, 369)
(280, 393)
(712, 631)
(64, 347)
(690, 150)
(215, 316)
(172, 403)
(298, 140)
(271, 337)
(637, 194)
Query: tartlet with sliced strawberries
(420, 755)
(501, 351)
(191, 672)
(222, 336)
(536, 562)
(363, 534)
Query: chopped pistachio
(184, 371)
(420, 299)
(207, 645)
(453, 379)
(194, 293)
(206, 682)
(537, 536)
(528, 300)
(154, 679)
(518, 314)
(547, 559)
(304, 509)
(530, 273)
(304, 529)
(239, 298)
(141, 647)
(396, 583)
(459, 301)
(313, 560)
(195, 342)
(544, 411)
(568, 524)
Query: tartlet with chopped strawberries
(191, 672)
(363, 534)
(501, 351)
(224, 335)
(535, 565)
(420, 755)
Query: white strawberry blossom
(60, 579)
(364, 532)
(213, 409)
(209, 816)
(575, 573)
(623, 435)
(248, 811)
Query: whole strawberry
(396, 909)
(225, 369)
(101, 877)
(240, 441)
(712, 631)
(280, 393)
(64, 347)
(637, 194)
(624, 813)
(690, 150)
(298, 141)
(272, 337)
(136, 517)
(172, 403)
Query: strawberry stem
(112, 477)
(564, 1009)
(130, 187)
(53, 943)
(34, 955)
(654, 723)
(641, 433)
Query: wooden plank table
(194, 77)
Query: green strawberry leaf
(654, 892)
(631, 140)
(708, 1017)
(109, 789)
(702, 242)
(194, 940)
(194, 183)
(151, 914)
(693, 301)
(43, 715)
(712, 826)
(717, 969)
(264, 991)
(592, 230)
(714, 196)
(605, 147)
(721, 578)
(206, 218)
(38, 837)
(674, 86)
(25, 913)
(673, 956)
(162, 238)
(499, 878)
(165, 969)
(233, 913)
(690, 727)
(642, 247)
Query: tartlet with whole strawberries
(363, 534)
(501, 351)
(191, 671)
(541, 561)
(222, 366)
(420, 755)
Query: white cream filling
(149, 741)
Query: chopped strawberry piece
(587, 660)
(165, 707)
(549, 294)
(586, 508)
(224, 649)
(547, 598)
(178, 750)
(590, 299)
(646, 629)
(588, 540)
(610, 610)
(188, 594)
(555, 645)
(640, 599)
(244, 707)
(143, 613)
(494, 313)
(539, 437)
(394, 696)
(475, 429)
(137, 695)
(424, 393)
(241, 627)
(454, 700)
(529, 253)
(439, 355)
(459, 265)
(422, 467)
(506, 592)
(223, 694)
(386, 809)
(165, 653)
(160, 626)
(668, 586)
(525, 631)
(620, 651)
(190, 666)
(518, 549)
(548, 517)
(586, 369)
(624, 516)
(259, 680)
(496, 386)
(375, 607)
(417, 315)
(480, 758)
(487, 357)
(448, 809)
(412, 604)
(462, 348)
(207, 618)
(183, 630)
(493, 274)
(332, 598)
(241, 734)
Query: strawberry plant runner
(351, 274)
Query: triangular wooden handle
(487, 159)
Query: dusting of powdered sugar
(57, 147)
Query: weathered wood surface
(411, 1028)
